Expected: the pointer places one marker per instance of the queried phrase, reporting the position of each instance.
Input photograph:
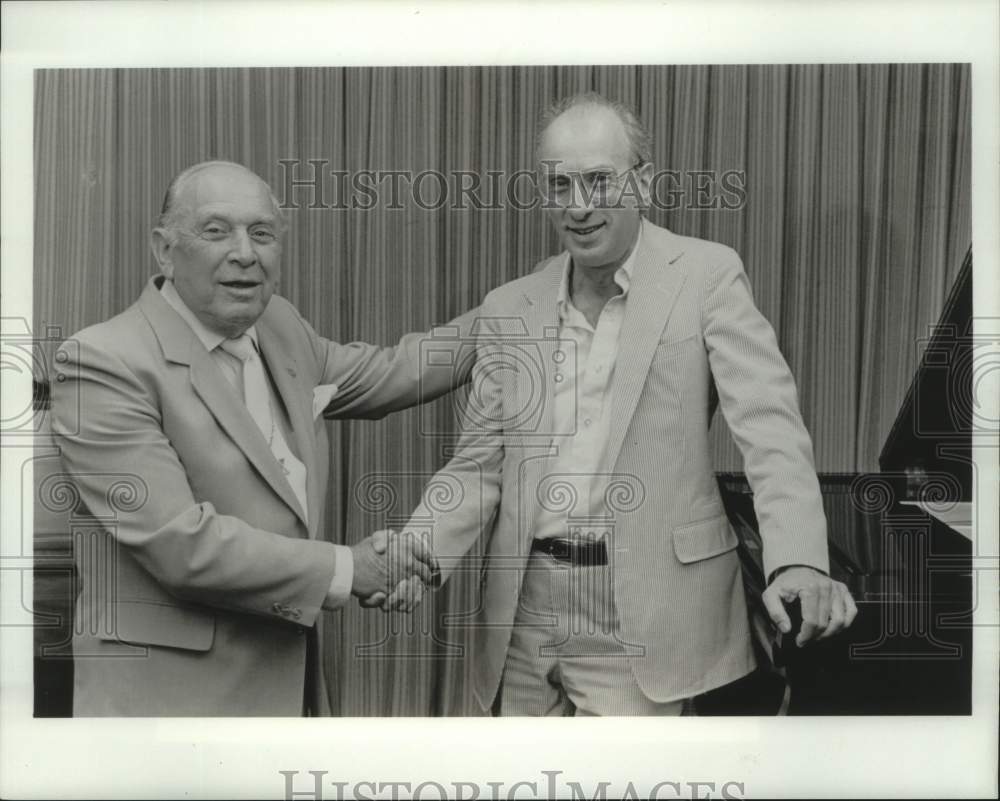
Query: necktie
(257, 397)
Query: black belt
(583, 553)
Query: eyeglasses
(597, 187)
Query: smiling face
(590, 140)
(222, 250)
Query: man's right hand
(386, 558)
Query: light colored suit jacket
(202, 579)
(690, 320)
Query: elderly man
(611, 583)
(191, 425)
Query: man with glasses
(611, 584)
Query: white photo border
(782, 757)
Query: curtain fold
(853, 222)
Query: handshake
(391, 570)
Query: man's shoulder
(281, 308)
(283, 320)
(127, 330)
(690, 248)
(123, 345)
(514, 292)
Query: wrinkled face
(223, 252)
(593, 190)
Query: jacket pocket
(151, 623)
(667, 351)
(704, 539)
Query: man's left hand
(827, 605)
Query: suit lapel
(655, 286)
(181, 346)
(536, 375)
(284, 373)
(216, 393)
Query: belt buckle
(561, 550)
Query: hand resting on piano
(827, 605)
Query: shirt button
(558, 379)
(587, 422)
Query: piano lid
(932, 436)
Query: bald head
(584, 130)
(638, 138)
(182, 193)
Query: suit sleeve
(107, 421)
(460, 501)
(758, 399)
(373, 381)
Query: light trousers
(566, 655)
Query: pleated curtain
(852, 225)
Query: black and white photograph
(363, 407)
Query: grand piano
(901, 540)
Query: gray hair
(639, 138)
(169, 211)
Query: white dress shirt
(581, 418)
(231, 369)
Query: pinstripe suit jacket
(690, 320)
